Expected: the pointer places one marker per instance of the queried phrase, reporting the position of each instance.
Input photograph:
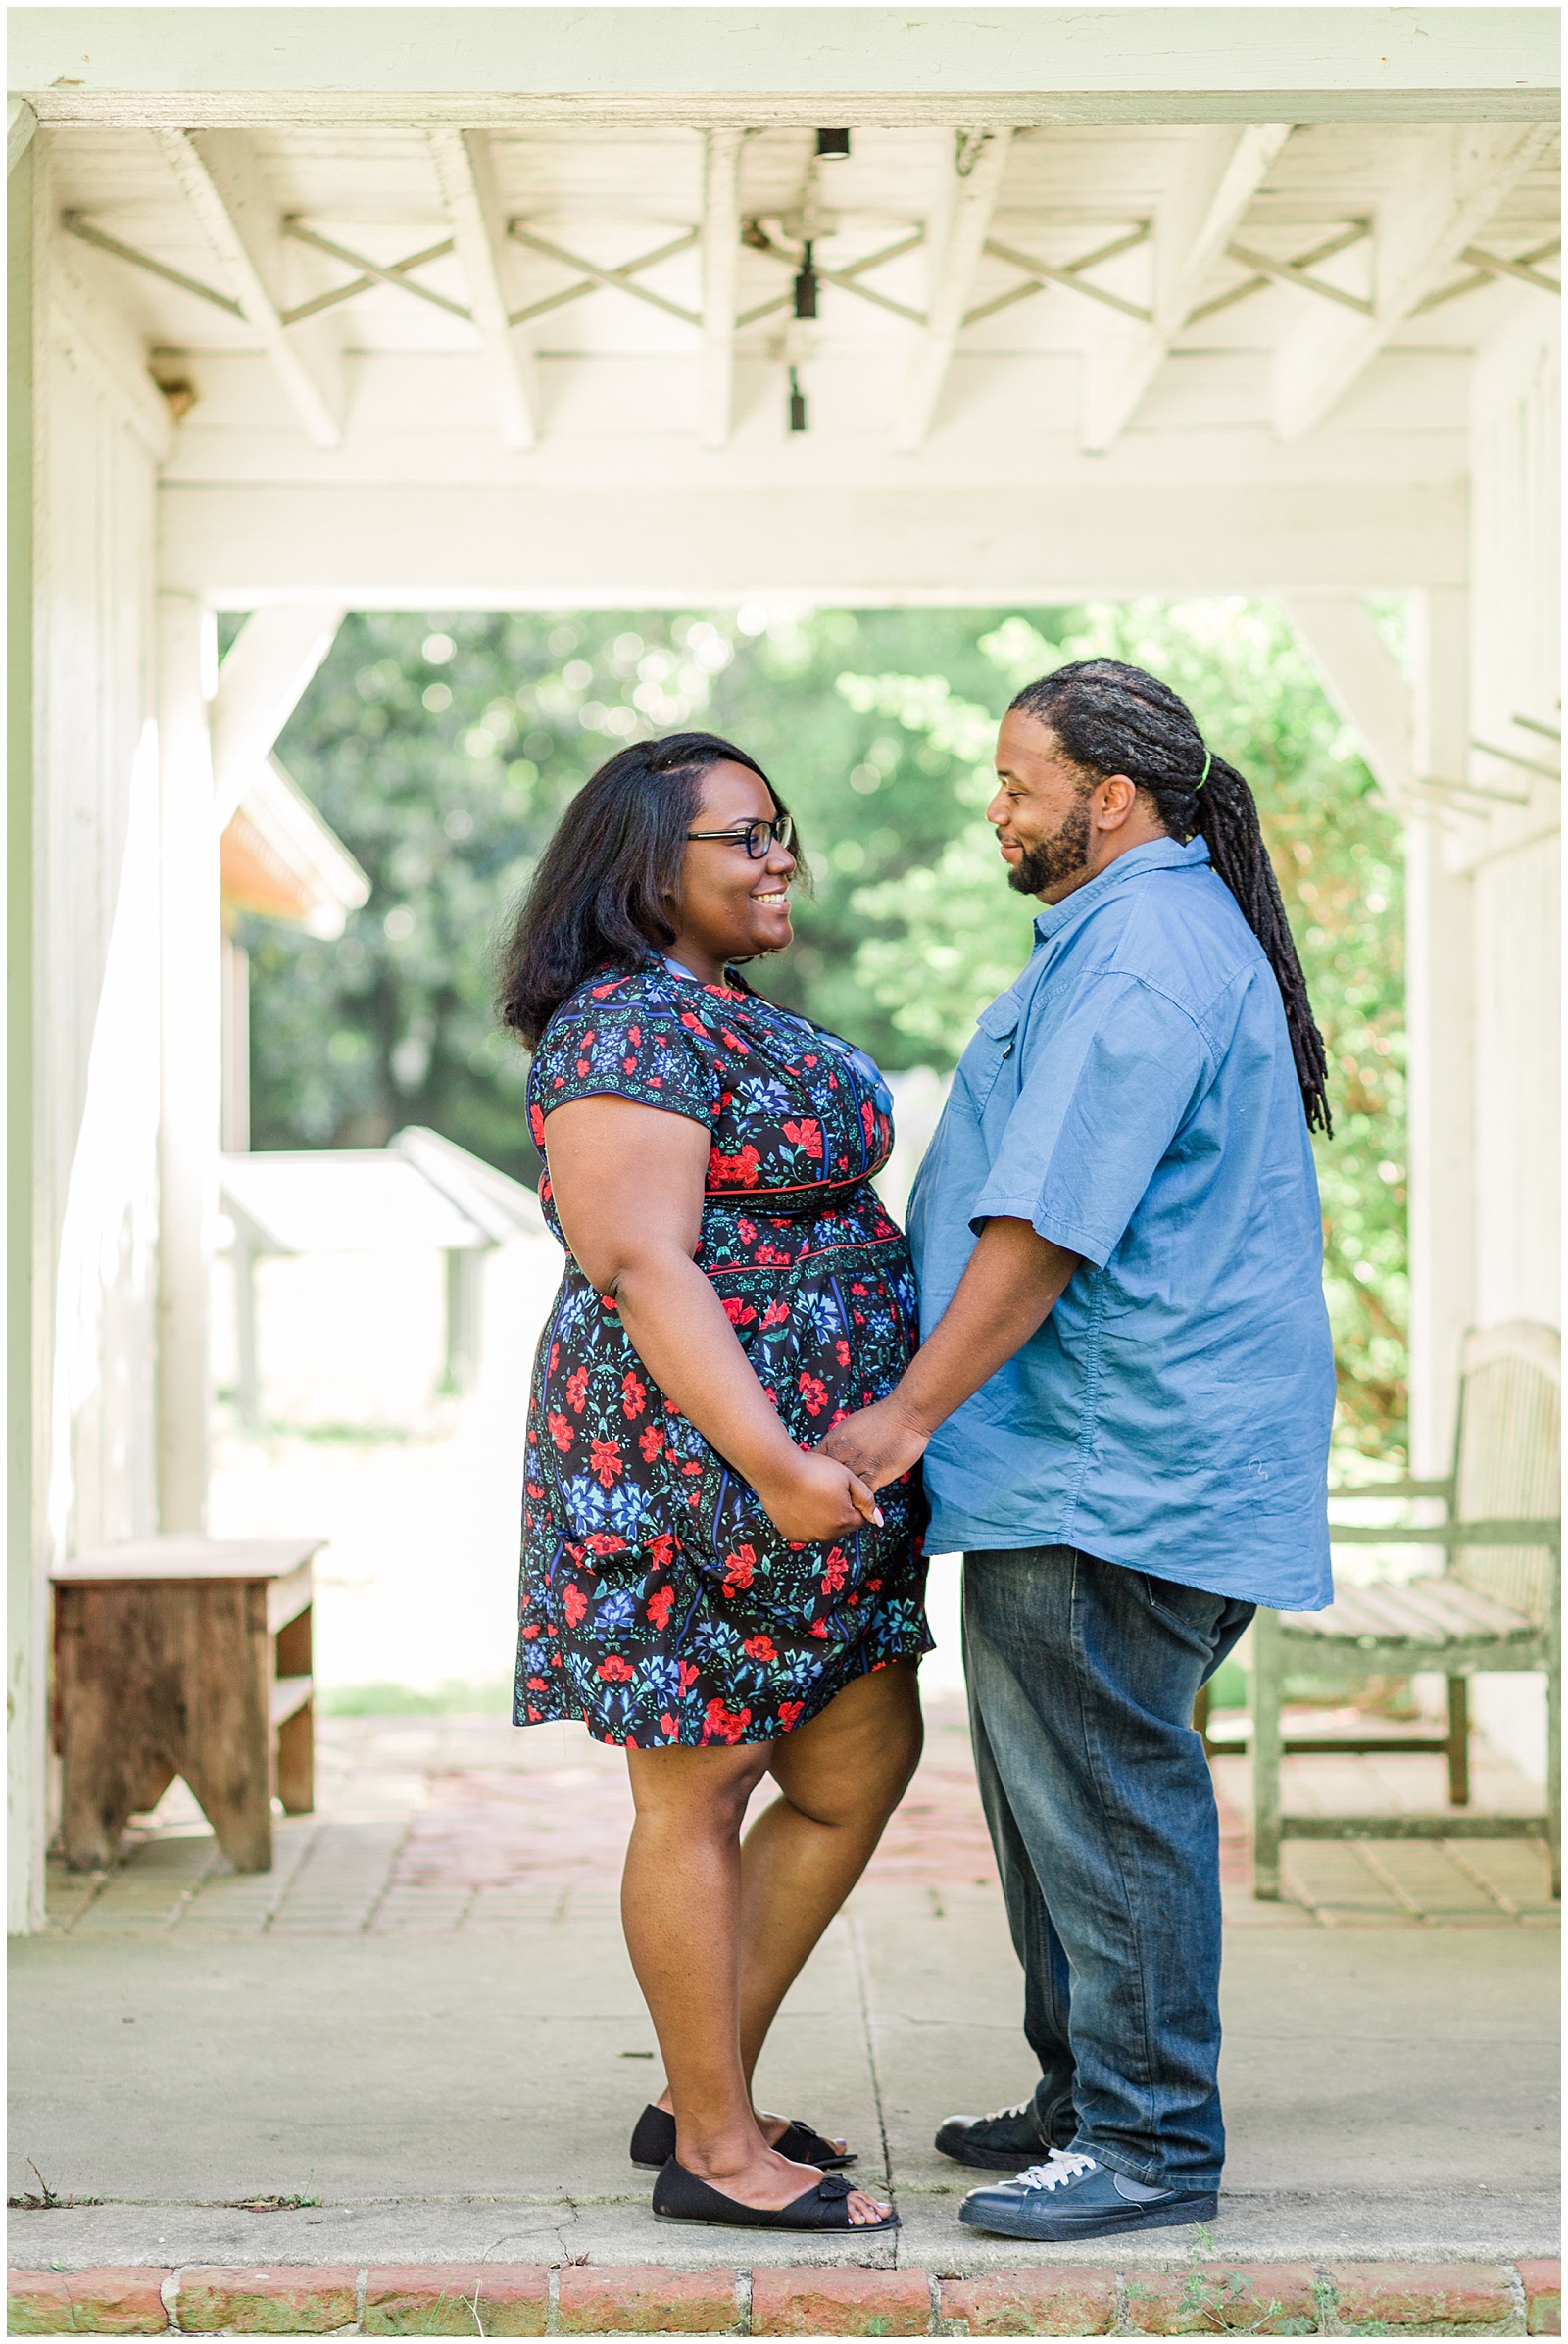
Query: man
(1123, 1397)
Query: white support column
(223, 181)
(192, 1064)
(466, 172)
(974, 199)
(260, 684)
(721, 245)
(1221, 173)
(1447, 190)
(27, 1283)
(1441, 1006)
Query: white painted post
(1440, 998)
(192, 1064)
(26, 1590)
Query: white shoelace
(1062, 2164)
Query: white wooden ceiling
(952, 335)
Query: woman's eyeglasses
(756, 837)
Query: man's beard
(1062, 857)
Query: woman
(700, 1583)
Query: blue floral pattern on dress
(658, 1604)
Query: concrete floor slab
(445, 2046)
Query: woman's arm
(1011, 1283)
(627, 1183)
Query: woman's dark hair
(600, 894)
(1114, 719)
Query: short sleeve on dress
(637, 1049)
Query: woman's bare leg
(840, 1779)
(681, 1909)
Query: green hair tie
(1209, 760)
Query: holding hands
(879, 1444)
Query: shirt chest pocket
(992, 1053)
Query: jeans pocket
(1193, 1613)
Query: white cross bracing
(1035, 275)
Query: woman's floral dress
(659, 1603)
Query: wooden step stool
(184, 1656)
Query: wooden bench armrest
(1539, 1532)
(1360, 1489)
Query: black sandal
(679, 2196)
(653, 2143)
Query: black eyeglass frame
(782, 830)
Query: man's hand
(878, 1443)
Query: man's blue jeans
(1082, 1677)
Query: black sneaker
(1000, 2141)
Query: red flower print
(605, 1542)
(759, 1647)
(651, 1440)
(724, 1724)
(633, 1394)
(574, 1603)
(607, 1462)
(739, 1313)
(616, 1671)
(820, 1628)
(660, 1606)
(859, 1289)
(807, 1135)
(775, 1314)
(664, 1548)
(789, 1715)
(583, 1065)
(688, 1675)
(833, 1577)
(577, 1390)
(559, 1430)
(738, 1569)
(842, 1349)
(689, 1018)
(536, 1684)
(734, 1171)
(770, 1257)
(628, 1065)
(667, 1723)
(744, 1230)
(812, 1391)
(536, 1125)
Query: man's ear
(1117, 796)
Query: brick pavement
(1185, 2298)
(434, 1826)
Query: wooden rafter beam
(223, 182)
(466, 174)
(1452, 185)
(978, 167)
(1221, 173)
(722, 244)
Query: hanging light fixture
(832, 142)
(805, 284)
(796, 403)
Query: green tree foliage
(442, 750)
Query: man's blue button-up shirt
(1134, 1096)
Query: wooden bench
(184, 1656)
(1495, 1607)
